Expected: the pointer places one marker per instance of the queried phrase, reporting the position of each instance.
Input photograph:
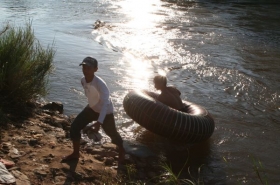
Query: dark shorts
(88, 115)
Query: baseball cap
(89, 61)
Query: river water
(224, 56)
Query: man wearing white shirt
(99, 109)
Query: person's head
(90, 66)
(160, 82)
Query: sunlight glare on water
(137, 71)
(140, 13)
(161, 72)
(139, 41)
(140, 33)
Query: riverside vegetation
(24, 66)
(34, 135)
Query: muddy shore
(37, 143)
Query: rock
(60, 134)
(14, 168)
(22, 141)
(109, 146)
(98, 157)
(21, 179)
(100, 151)
(82, 161)
(60, 179)
(42, 170)
(52, 144)
(109, 161)
(54, 106)
(83, 142)
(48, 159)
(7, 146)
(33, 142)
(14, 153)
(51, 155)
(60, 122)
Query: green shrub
(24, 66)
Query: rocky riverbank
(36, 144)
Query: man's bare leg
(76, 152)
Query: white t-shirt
(98, 96)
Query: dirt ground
(37, 144)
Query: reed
(121, 179)
(131, 171)
(258, 168)
(174, 179)
(24, 67)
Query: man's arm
(104, 96)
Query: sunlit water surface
(224, 56)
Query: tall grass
(174, 179)
(24, 66)
(258, 168)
